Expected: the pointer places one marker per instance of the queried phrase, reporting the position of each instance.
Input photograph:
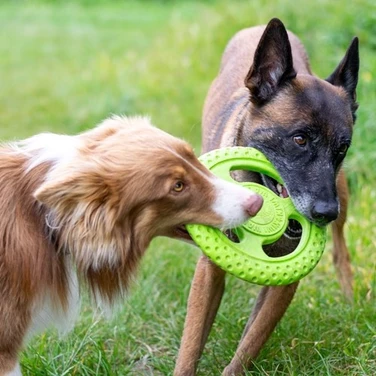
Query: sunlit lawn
(65, 66)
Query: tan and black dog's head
(302, 123)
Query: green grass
(67, 65)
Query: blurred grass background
(66, 65)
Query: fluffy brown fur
(90, 204)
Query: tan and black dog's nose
(325, 212)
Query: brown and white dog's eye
(179, 186)
(300, 140)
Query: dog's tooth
(279, 188)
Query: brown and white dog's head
(110, 190)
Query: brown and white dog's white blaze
(83, 209)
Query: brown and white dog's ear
(272, 64)
(346, 74)
(64, 192)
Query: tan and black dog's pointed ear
(272, 63)
(346, 74)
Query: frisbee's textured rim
(246, 259)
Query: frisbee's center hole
(290, 240)
(231, 234)
(287, 243)
(242, 176)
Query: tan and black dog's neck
(227, 125)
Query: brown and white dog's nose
(234, 203)
(254, 204)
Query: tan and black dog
(304, 126)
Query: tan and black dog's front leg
(204, 299)
(271, 305)
(341, 256)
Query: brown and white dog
(83, 209)
(266, 96)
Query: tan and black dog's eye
(343, 149)
(300, 140)
(179, 186)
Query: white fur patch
(47, 315)
(231, 202)
(48, 147)
(15, 372)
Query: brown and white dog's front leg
(204, 299)
(271, 305)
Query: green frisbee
(246, 258)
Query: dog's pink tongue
(284, 192)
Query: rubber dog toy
(245, 258)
